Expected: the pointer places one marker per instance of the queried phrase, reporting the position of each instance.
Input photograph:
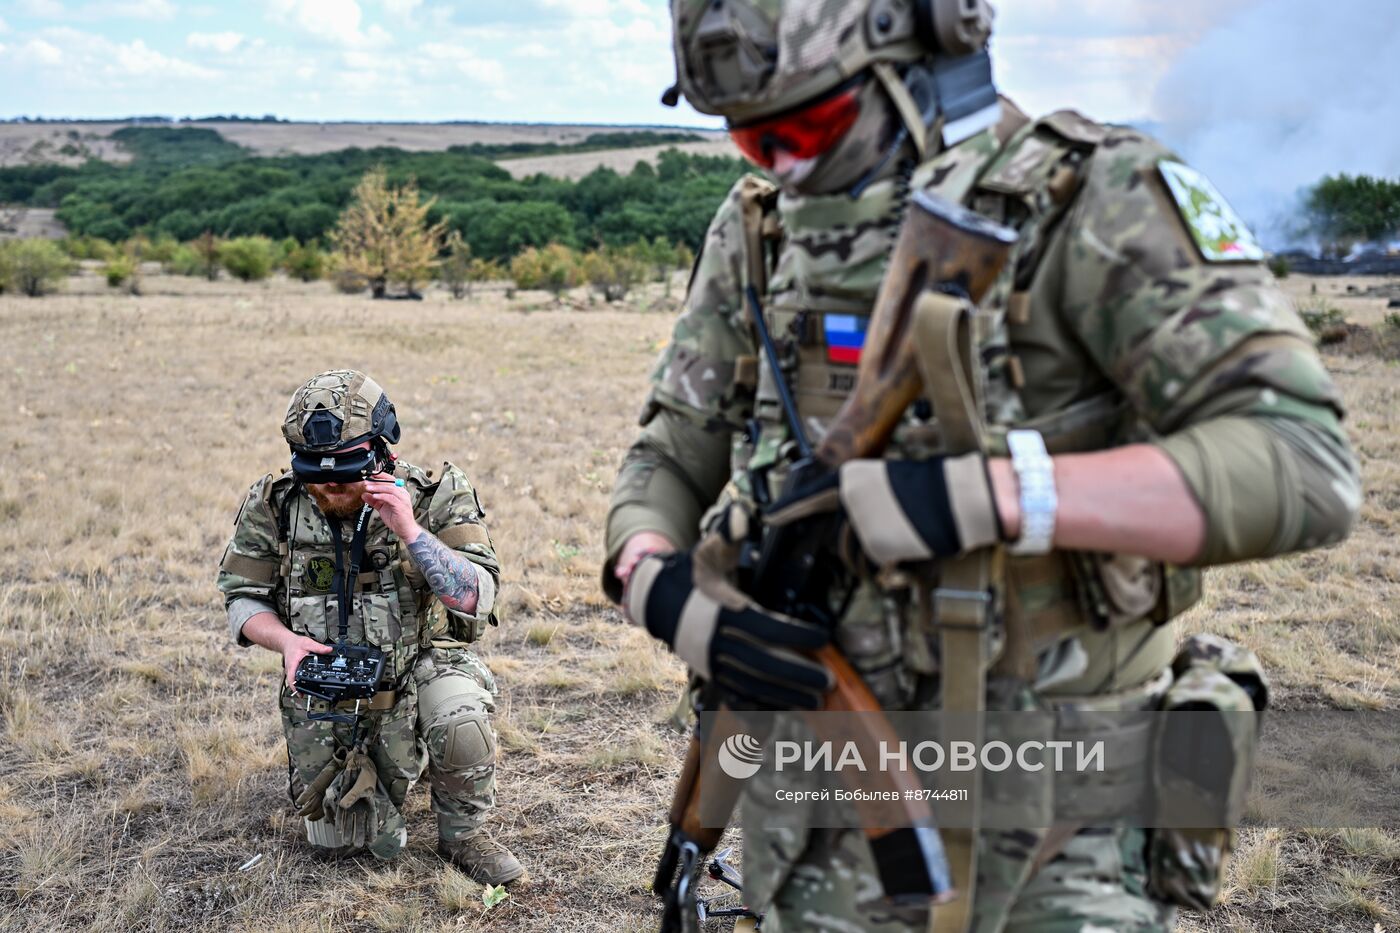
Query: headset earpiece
(954, 27)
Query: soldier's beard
(339, 502)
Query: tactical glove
(904, 510)
(723, 635)
(351, 804)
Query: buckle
(980, 602)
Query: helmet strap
(904, 105)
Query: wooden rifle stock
(941, 246)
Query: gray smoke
(1283, 93)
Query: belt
(380, 702)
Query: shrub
(248, 258)
(1325, 321)
(118, 270)
(207, 248)
(35, 267)
(86, 247)
(344, 279)
(161, 249)
(554, 268)
(184, 261)
(454, 271)
(304, 263)
(1279, 266)
(613, 272)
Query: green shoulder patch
(1220, 233)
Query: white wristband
(1035, 478)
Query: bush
(207, 247)
(248, 258)
(345, 279)
(304, 263)
(118, 270)
(454, 271)
(184, 261)
(613, 272)
(86, 247)
(34, 267)
(159, 250)
(1279, 266)
(554, 268)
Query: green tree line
(184, 182)
(1348, 209)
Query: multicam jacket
(282, 556)
(1130, 312)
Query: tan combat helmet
(337, 409)
(747, 60)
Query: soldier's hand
(755, 655)
(393, 504)
(640, 545)
(296, 648)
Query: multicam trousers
(440, 723)
(1096, 884)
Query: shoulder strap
(758, 201)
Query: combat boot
(482, 858)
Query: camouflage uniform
(439, 716)
(1112, 324)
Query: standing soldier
(1150, 405)
(354, 555)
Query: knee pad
(322, 834)
(468, 742)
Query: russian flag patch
(845, 336)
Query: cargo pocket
(1203, 756)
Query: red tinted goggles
(804, 133)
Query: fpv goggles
(343, 467)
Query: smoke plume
(1283, 93)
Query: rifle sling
(962, 603)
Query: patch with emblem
(845, 336)
(1220, 234)
(319, 574)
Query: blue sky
(536, 60)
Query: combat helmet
(747, 60)
(334, 410)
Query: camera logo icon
(740, 756)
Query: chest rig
(392, 607)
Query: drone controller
(349, 672)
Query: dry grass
(143, 765)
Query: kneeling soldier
(374, 579)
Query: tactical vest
(820, 261)
(394, 609)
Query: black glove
(904, 510)
(727, 638)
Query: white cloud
(222, 42)
(96, 61)
(401, 8)
(334, 21)
(44, 9)
(132, 9)
(3, 27)
(39, 52)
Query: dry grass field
(575, 165)
(142, 771)
(72, 143)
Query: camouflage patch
(1220, 234)
(319, 574)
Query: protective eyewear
(348, 467)
(805, 133)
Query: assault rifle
(942, 247)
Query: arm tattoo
(451, 576)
